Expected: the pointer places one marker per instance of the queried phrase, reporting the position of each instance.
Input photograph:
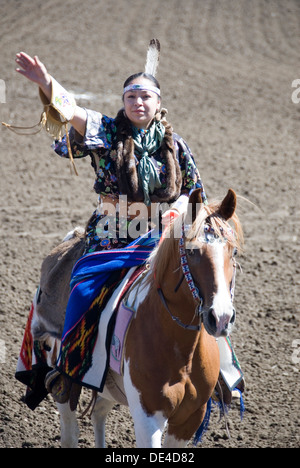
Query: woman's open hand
(33, 69)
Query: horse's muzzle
(219, 326)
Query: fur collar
(126, 164)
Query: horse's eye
(191, 252)
(235, 251)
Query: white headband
(141, 87)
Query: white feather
(152, 57)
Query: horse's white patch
(148, 429)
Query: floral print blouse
(98, 143)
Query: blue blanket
(93, 280)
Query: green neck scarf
(146, 143)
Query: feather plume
(152, 57)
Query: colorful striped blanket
(96, 284)
(94, 278)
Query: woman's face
(141, 106)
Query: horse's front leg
(101, 409)
(68, 426)
(178, 436)
(172, 442)
(148, 428)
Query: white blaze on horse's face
(216, 265)
(221, 314)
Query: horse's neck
(173, 297)
(153, 329)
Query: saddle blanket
(96, 375)
(37, 358)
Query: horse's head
(211, 244)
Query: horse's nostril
(232, 320)
(211, 319)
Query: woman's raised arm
(34, 70)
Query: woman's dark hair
(143, 75)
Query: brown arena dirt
(226, 73)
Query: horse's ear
(228, 205)
(195, 201)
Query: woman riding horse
(135, 155)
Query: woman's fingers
(31, 67)
(25, 57)
(29, 63)
(24, 60)
(38, 62)
(22, 72)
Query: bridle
(192, 287)
(190, 282)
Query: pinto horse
(183, 303)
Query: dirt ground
(226, 73)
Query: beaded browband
(141, 87)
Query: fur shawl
(125, 162)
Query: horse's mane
(169, 247)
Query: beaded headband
(141, 87)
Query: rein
(194, 291)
